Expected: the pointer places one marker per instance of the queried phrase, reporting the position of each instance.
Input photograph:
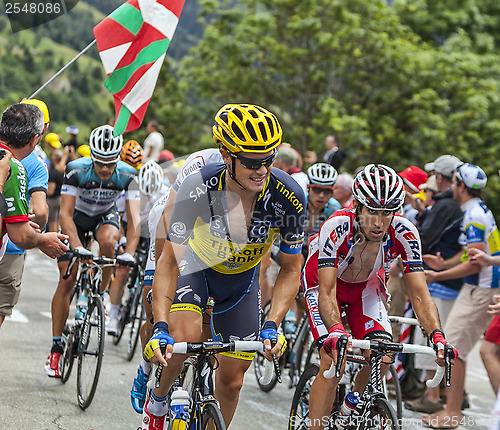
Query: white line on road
(17, 317)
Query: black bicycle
(132, 311)
(373, 410)
(83, 335)
(197, 380)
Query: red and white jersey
(337, 239)
(363, 301)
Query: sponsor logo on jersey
(290, 196)
(178, 229)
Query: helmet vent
(253, 113)
(251, 130)
(271, 126)
(237, 131)
(238, 113)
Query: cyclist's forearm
(68, 227)
(284, 292)
(421, 300)
(133, 238)
(164, 284)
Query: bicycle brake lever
(159, 370)
(276, 361)
(448, 354)
(341, 348)
(72, 261)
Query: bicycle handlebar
(101, 261)
(403, 320)
(334, 369)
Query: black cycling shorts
(236, 311)
(85, 223)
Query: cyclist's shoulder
(284, 189)
(341, 222)
(123, 168)
(80, 164)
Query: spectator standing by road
(56, 178)
(334, 154)
(21, 128)
(342, 190)
(468, 317)
(154, 142)
(439, 229)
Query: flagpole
(63, 69)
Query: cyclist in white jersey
(91, 187)
(161, 210)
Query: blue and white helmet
(104, 145)
(322, 174)
(472, 176)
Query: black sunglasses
(319, 190)
(255, 163)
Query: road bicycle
(197, 379)
(300, 346)
(83, 334)
(373, 410)
(132, 312)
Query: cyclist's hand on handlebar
(439, 344)
(330, 343)
(125, 259)
(270, 331)
(83, 254)
(160, 336)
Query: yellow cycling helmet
(246, 128)
(40, 105)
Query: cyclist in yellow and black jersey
(224, 220)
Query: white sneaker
(112, 326)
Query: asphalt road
(31, 400)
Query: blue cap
(73, 129)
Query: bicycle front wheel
(299, 412)
(90, 352)
(211, 417)
(137, 316)
(382, 417)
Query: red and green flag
(132, 43)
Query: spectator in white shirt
(153, 143)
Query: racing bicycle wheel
(136, 317)
(211, 417)
(90, 352)
(382, 416)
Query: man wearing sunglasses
(224, 220)
(88, 196)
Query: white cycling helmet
(104, 145)
(322, 174)
(471, 175)
(379, 187)
(150, 178)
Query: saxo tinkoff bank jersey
(200, 220)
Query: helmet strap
(232, 171)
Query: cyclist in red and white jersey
(347, 270)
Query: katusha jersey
(200, 219)
(337, 242)
(93, 195)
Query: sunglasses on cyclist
(101, 163)
(319, 190)
(255, 163)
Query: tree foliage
(398, 85)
